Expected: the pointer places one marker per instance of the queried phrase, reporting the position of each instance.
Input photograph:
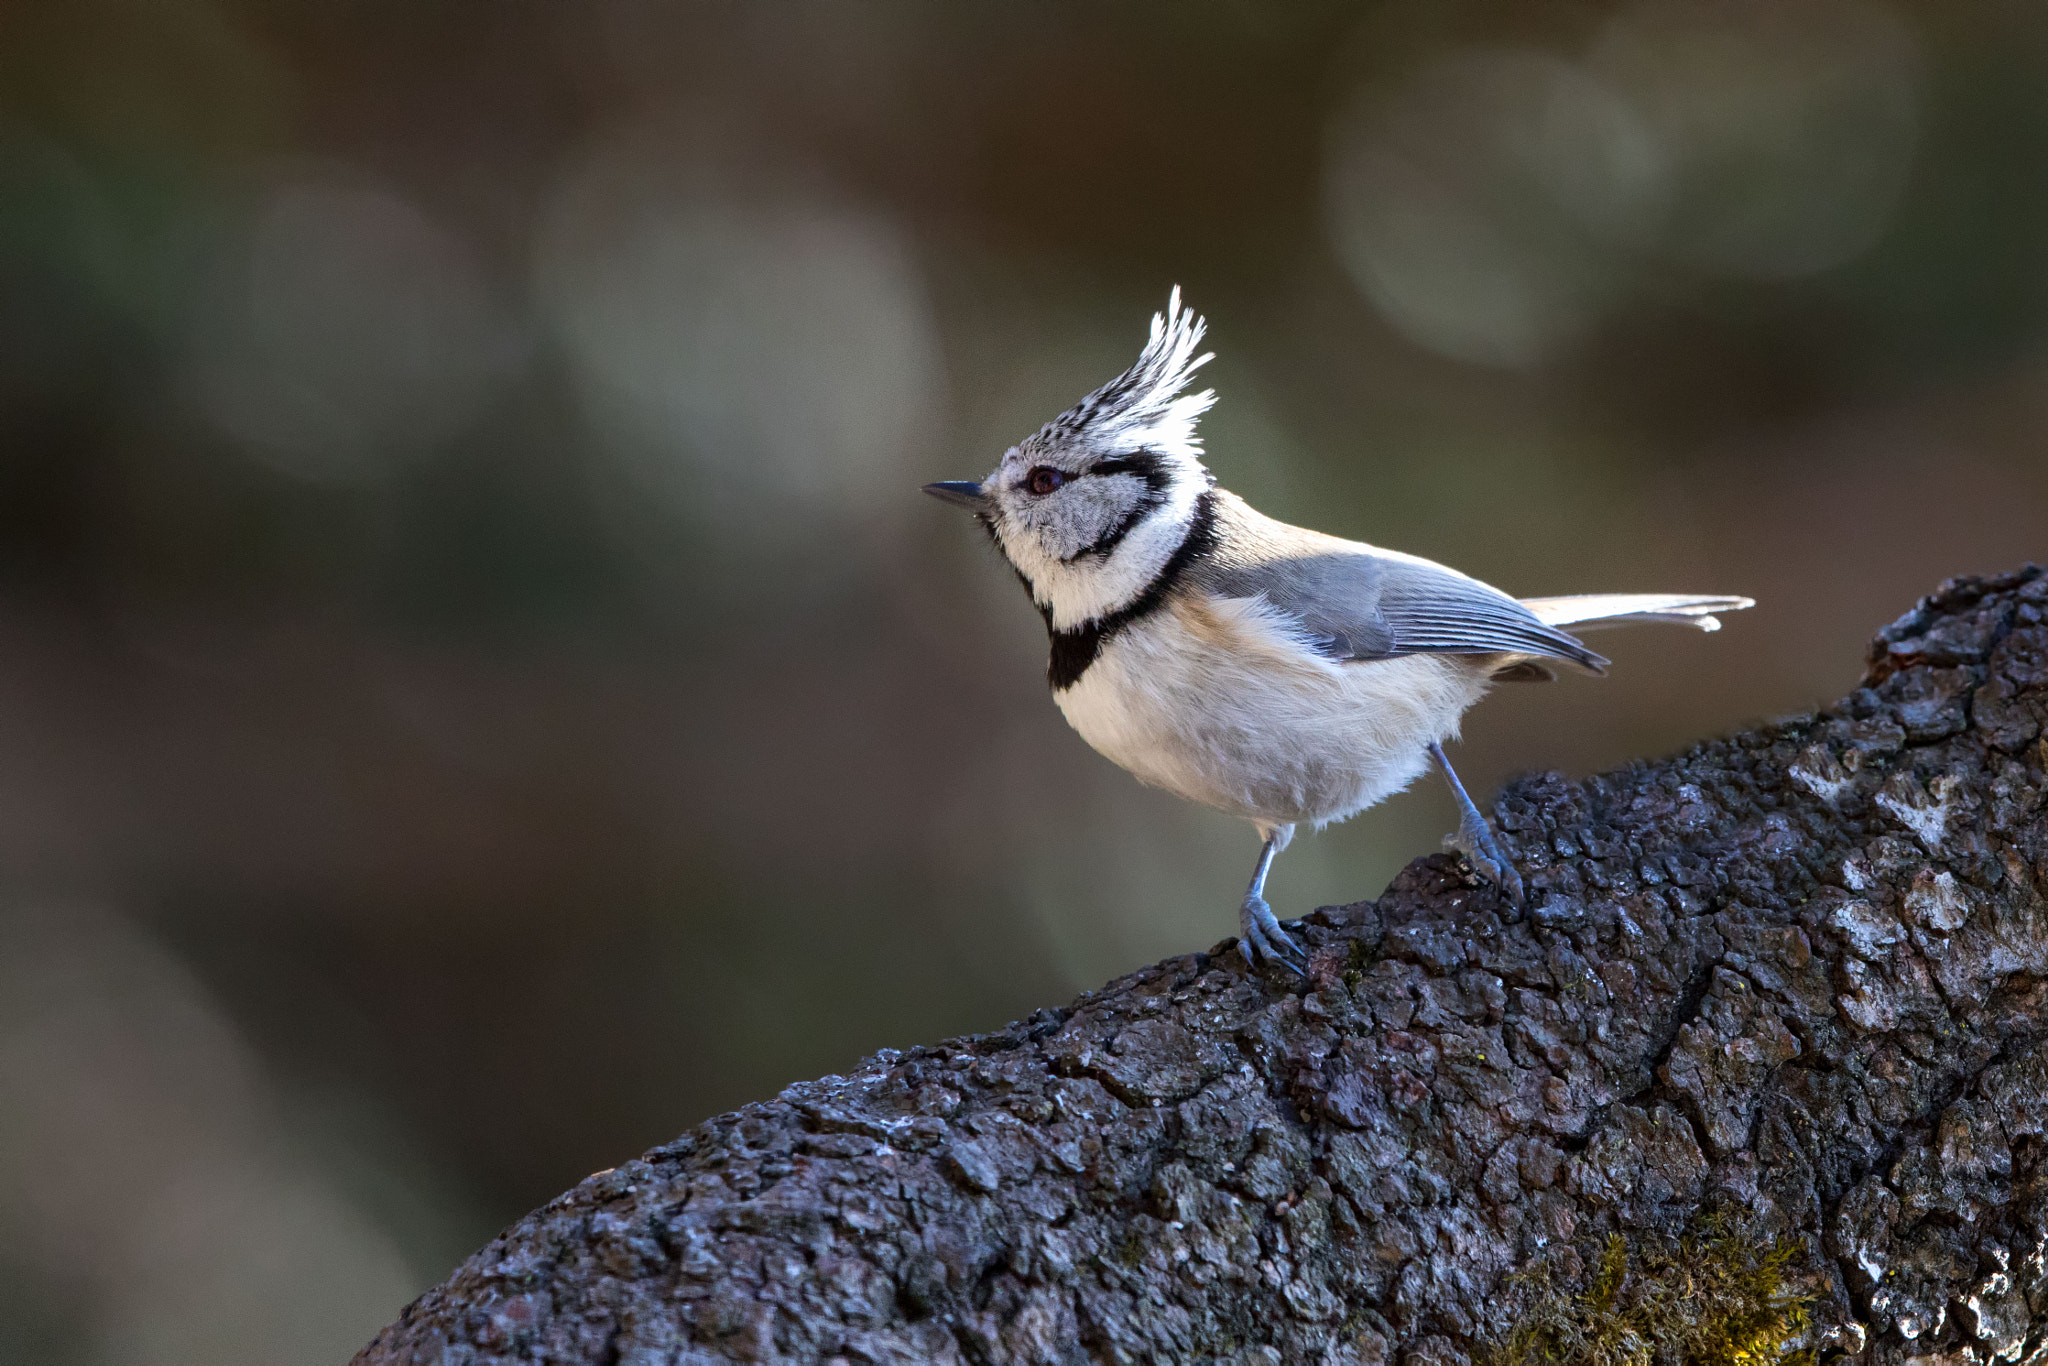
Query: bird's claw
(1477, 843)
(1263, 941)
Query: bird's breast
(1221, 701)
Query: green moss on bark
(1712, 1298)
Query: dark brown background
(479, 691)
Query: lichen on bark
(1798, 976)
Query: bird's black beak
(960, 493)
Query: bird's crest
(1144, 408)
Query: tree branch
(1798, 976)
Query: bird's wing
(1598, 611)
(1361, 605)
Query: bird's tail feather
(1597, 611)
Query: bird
(1266, 670)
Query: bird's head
(1091, 506)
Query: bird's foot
(1475, 840)
(1263, 941)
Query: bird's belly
(1263, 729)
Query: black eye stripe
(1146, 465)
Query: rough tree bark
(1800, 974)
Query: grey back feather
(1361, 606)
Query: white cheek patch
(1067, 523)
(1081, 590)
(1101, 505)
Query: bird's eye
(1044, 480)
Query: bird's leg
(1475, 838)
(1261, 937)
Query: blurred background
(480, 691)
